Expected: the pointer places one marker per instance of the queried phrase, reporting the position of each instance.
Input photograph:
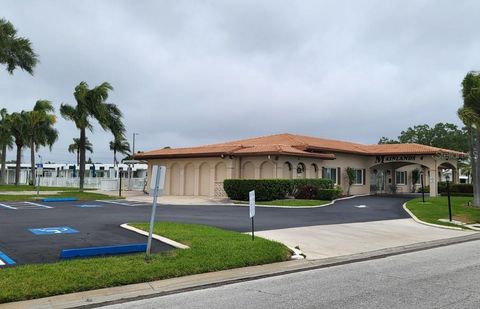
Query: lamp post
(447, 178)
(133, 144)
(130, 172)
(423, 189)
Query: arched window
(301, 170)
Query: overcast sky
(192, 72)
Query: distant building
(387, 168)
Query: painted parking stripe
(6, 259)
(129, 204)
(2, 263)
(39, 205)
(361, 206)
(8, 207)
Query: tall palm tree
(15, 51)
(120, 145)
(91, 103)
(18, 126)
(6, 141)
(40, 130)
(75, 147)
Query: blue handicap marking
(5, 259)
(53, 230)
(88, 206)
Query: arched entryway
(266, 170)
(175, 179)
(189, 183)
(204, 180)
(248, 170)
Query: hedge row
(274, 189)
(457, 188)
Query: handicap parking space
(23, 205)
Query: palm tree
(6, 141)
(75, 147)
(18, 126)
(40, 130)
(120, 145)
(15, 51)
(91, 104)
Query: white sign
(251, 196)
(160, 182)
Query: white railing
(106, 184)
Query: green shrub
(426, 189)
(329, 194)
(307, 192)
(455, 187)
(456, 194)
(274, 189)
(265, 189)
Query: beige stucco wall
(204, 176)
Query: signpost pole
(158, 178)
(253, 229)
(449, 203)
(120, 184)
(423, 190)
(251, 196)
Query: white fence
(106, 184)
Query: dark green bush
(307, 192)
(329, 194)
(455, 187)
(456, 194)
(265, 189)
(273, 189)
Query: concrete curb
(307, 207)
(429, 224)
(168, 241)
(122, 294)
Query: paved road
(446, 277)
(99, 226)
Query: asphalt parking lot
(97, 223)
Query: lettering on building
(394, 158)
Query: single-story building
(386, 168)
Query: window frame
(404, 173)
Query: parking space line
(39, 205)
(8, 207)
(6, 259)
(122, 203)
(2, 263)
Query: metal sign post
(38, 172)
(251, 196)
(157, 183)
(423, 189)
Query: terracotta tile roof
(297, 145)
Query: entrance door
(377, 181)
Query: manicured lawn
(290, 202)
(211, 249)
(437, 208)
(33, 188)
(85, 196)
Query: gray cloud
(194, 72)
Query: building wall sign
(395, 158)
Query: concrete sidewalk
(325, 241)
(95, 298)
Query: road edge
(139, 291)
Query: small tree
(351, 175)
(415, 178)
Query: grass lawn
(85, 196)
(33, 188)
(289, 202)
(437, 208)
(211, 249)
